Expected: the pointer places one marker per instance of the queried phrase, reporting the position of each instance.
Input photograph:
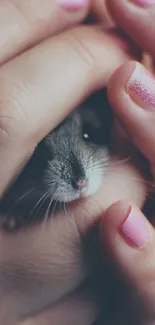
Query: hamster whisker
(40, 201)
(48, 209)
(24, 195)
(92, 154)
(65, 209)
(143, 181)
(122, 161)
(54, 207)
(110, 173)
(100, 164)
(99, 168)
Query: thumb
(130, 241)
(132, 95)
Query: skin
(44, 271)
(136, 267)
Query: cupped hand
(128, 235)
(44, 271)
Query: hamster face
(68, 164)
(78, 159)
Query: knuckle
(81, 47)
(14, 119)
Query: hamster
(68, 164)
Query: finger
(44, 264)
(82, 307)
(100, 10)
(130, 242)
(24, 23)
(59, 255)
(132, 96)
(137, 17)
(73, 65)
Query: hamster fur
(68, 164)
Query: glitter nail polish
(141, 87)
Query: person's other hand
(100, 11)
(137, 19)
(128, 235)
(130, 245)
(131, 93)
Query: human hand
(41, 268)
(127, 234)
(135, 291)
(136, 18)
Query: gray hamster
(66, 165)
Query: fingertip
(99, 8)
(112, 243)
(118, 81)
(112, 219)
(131, 94)
(126, 221)
(120, 101)
(129, 240)
(109, 226)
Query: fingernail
(135, 229)
(144, 3)
(141, 87)
(72, 4)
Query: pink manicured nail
(144, 3)
(72, 4)
(135, 229)
(141, 87)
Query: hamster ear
(43, 151)
(104, 111)
(99, 106)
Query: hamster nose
(80, 184)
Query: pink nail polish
(144, 3)
(72, 4)
(141, 87)
(135, 229)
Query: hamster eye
(86, 136)
(90, 134)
